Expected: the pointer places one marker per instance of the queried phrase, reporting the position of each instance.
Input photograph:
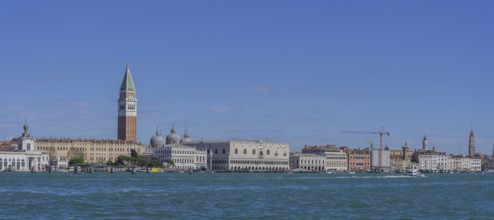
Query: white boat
(412, 173)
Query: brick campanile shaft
(127, 109)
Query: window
(253, 151)
(215, 151)
(224, 151)
(236, 151)
(245, 151)
(267, 152)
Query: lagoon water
(245, 196)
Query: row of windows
(268, 152)
(257, 162)
(80, 148)
(101, 158)
(250, 168)
(359, 164)
(359, 157)
(189, 152)
(336, 158)
(183, 161)
(57, 148)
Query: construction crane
(381, 133)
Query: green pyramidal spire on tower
(127, 83)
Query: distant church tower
(471, 145)
(425, 143)
(127, 109)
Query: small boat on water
(412, 172)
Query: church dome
(157, 140)
(173, 137)
(186, 137)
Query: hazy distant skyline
(293, 71)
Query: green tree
(155, 163)
(133, 153)
(76, 160)
(122, 160)
(109, 162)
(170, 162)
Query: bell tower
(425, 143)
(127, 109)
(471, 145)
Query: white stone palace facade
(307, 162)
(245, 155)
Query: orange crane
(381, 133)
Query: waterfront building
(26, 157)
(95, 151)
(320, 150)
(359, 160)
(336, 160)
(396, 163)
(245, 155)
(127, 109)
(471, 145)
(386, 163)
(174, 155)
(466, 164)
(488, 164)
(309, 162)
(432, 161)
(475, 165)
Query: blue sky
(294, 71)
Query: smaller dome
(186, 137)
(173, 137)
(157, 140)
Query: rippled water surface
(245, 196)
